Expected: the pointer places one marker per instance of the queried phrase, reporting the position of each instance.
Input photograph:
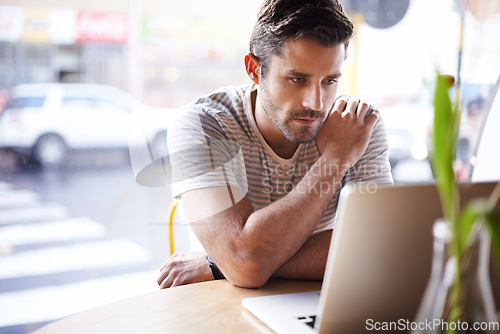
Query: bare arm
(310, 261)
(249, 246)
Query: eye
(330, 82)
(298, 80)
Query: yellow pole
(170, 229)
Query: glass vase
(463, 303)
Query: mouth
(306, 121)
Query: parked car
(46, 120)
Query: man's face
(300, 87)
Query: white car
(46, 120)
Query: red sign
(104, 28)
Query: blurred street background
(76, 229)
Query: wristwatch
(215, 270)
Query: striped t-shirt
(215, 142)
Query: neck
(272, 135)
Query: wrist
(332, 167)
(215, 270)
(323, 179)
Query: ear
(252, 67)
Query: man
(259, 168)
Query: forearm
(248, 245)
(275, 233)
(310, 260)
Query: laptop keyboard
(308, 320)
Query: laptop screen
(381, 254)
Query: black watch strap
(215, 270)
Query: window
(26, 102)
(76, 229)
(78, 102)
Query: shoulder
(211, 114)
(224, 100)
(379, 133)
(221, 108)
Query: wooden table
(209, 307)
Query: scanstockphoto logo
(282, 179)
(220, 165)
(432, 326)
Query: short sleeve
(373, 166)
(202, 155)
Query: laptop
(378, 265)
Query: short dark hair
(323, 21)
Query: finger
(341, 98)
(167, 281)
(166, 270)
(340, 103)
(162, 276)
(177, 282)
(364, 108)
(172, 257)
(372, 118)
(370, 111)
(352, 106)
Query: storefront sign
(11, 23)
(36, 25)
(105, 28)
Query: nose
(313, 98)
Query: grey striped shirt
(215, 142)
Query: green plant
(446, 122)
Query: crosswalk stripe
(45, 232)
(24, 220)
(17, 197)
(54, 302)
(79, 256)
(41, 212)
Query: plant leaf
(492, 220)
(478, 209)
(444, 134)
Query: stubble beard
(302, 134)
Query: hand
(184, 268)
(347, 130)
